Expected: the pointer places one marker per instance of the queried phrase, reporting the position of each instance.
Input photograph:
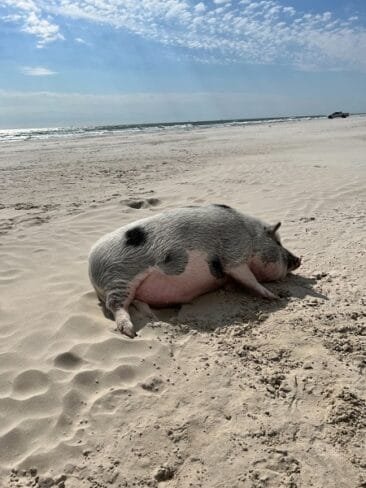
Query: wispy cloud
(80, 40)
(37, 71)
(265, 31)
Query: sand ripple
(63, 363)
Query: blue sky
(86, 62)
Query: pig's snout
(293, 262)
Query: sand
(228, 391)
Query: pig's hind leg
(243, 275)
(124, 324)
(118, 301)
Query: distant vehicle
(334, 115)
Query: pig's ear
(272, 229)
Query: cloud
(248, 31)
(289, 10)
(200, 7)
(80, 41)
(37, 71)
(41, 28)
(32, 19)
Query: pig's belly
(159, 289)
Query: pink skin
(160, 290)
(157, 289)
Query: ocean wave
(14, 135)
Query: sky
(93, 62)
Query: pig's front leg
(243, 275)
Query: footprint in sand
(68, 360)
(137, 204)
(30, 383)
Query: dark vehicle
(334, 115)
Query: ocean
(14, 135)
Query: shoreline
(89, 131)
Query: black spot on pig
(168, 258)
(216, 267)
(135, 237)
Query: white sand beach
(229, 391)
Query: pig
(175, 256)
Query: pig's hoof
(127, 330)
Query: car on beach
(334, 115)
